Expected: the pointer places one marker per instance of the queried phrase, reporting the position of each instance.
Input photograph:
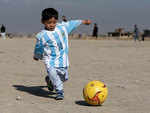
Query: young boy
(52, 47)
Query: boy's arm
(73, 24)
(38, 50)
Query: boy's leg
(63, 74)
(57, 83)
(66, 75)
(55, 79)
(49, 83)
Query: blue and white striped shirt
(52, 46)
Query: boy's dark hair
(48, 13)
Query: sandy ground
(123, 65)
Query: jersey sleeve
(38, 49)
(73, 24)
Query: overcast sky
(24, 15)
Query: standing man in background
(95, 31)
(136, 33)
(3, 30)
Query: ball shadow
(83, 103)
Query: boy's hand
(35, 58)
(86, 22)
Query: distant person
(143, 37)
(52, 47)
(64, 19)
(136, 33)
(95, 31)
(3, 30)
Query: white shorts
(3, 35)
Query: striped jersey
(52, 46)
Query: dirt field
(123, 65)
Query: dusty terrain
(124, 66)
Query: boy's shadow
(35, 90)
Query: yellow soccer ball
(95, 93)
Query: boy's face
(50, 24)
